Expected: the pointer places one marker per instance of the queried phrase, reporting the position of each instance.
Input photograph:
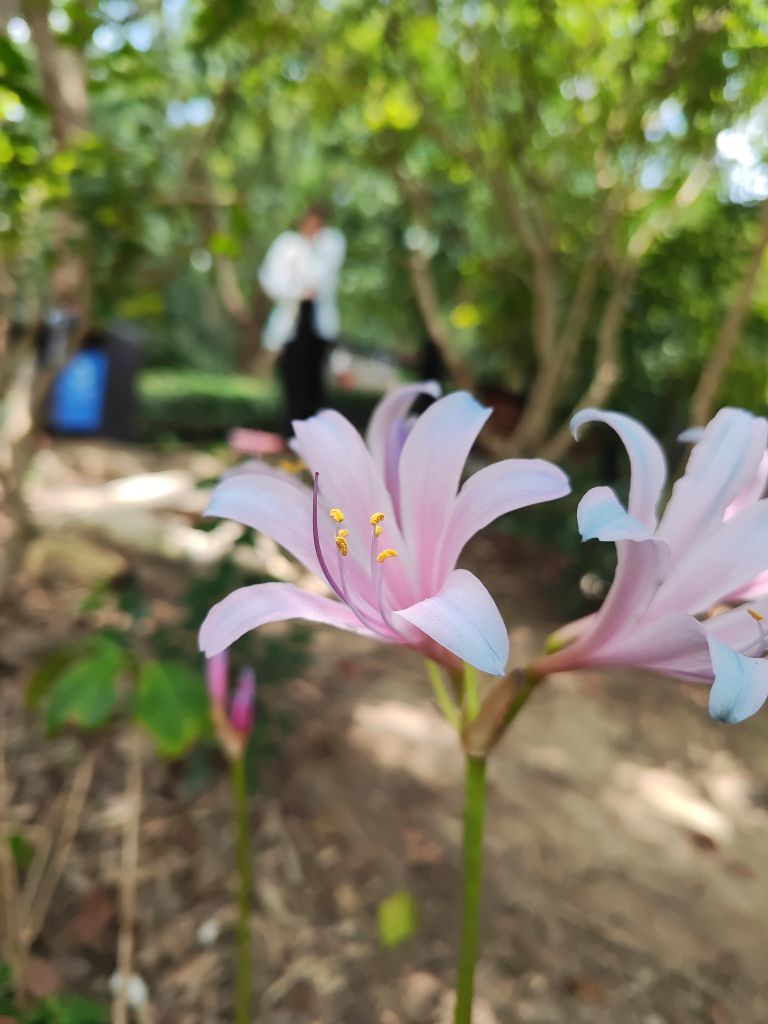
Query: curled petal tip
(579, 419)
(691, 436)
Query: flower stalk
(474, 825)
(232, 720)
(243, 976)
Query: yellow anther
(341, 534)
(377, 518)
(385, 554)
(755, 615)
(342, 545)
(336, 515)
(378, 529)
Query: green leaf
(85, 693)
(171, 703)
(397, 919)
(46, 675)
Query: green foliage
(397, 919)
(195, 405)
(51, 1010)
(171, 703)
(85, 692)
(163, 690)
(597, 123)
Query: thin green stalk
(243, 988)
(442, 696)
(471, 693)
(474, 820)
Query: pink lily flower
(671, 573)
(383, 526)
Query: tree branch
(710, 379)
(607, 367)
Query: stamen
(316, 538)
(375, 627)
(758, 647)
(378, 569)
(761, 629)
(341, 544)
(378, 530)
(376, 518)
(336, 515)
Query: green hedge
(205, 406)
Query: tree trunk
(607, 364)
(553, 371)
(250, 331)
(425, 293)
(705, 392)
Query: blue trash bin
(79, 392)
(96, 392)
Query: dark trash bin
(96, 392)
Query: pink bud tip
(257, 443)
(217, 670)
(241, 713)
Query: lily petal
(675, 644)
(719, 564)
(431, 465)
(273, 503)
(646, 457)
(641, 566)
(384, 438)
(251, 607)
(741, 684)
(463, 618)
(720, 466)
(601, 516)
(737, 628)
(350, 480)
(753, 490)
(349, 477)
(495, 490)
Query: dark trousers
(301, 367)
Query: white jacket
(294, 266)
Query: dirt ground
(626, 848)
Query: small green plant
(58, 1009)
(128, 666)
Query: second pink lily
(708, 548)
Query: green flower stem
(442, 696)
(471, 693)
(243, 987)
(474, 820)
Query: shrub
(193, 405)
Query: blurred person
(300, 274)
